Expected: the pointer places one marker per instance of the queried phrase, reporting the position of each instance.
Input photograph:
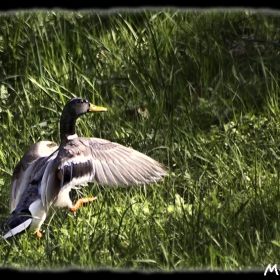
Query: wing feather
(50, 184)
(97, 160)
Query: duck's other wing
(27, 168)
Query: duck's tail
(17, 223)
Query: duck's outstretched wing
(27, 168)
(84, 160)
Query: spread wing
(84, 160)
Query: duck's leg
(80, 202)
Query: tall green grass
(207, 82)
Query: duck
(77, 161)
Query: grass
(195, 90)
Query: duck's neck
(67, 128)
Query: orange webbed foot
(39, 234)
(80, 202)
